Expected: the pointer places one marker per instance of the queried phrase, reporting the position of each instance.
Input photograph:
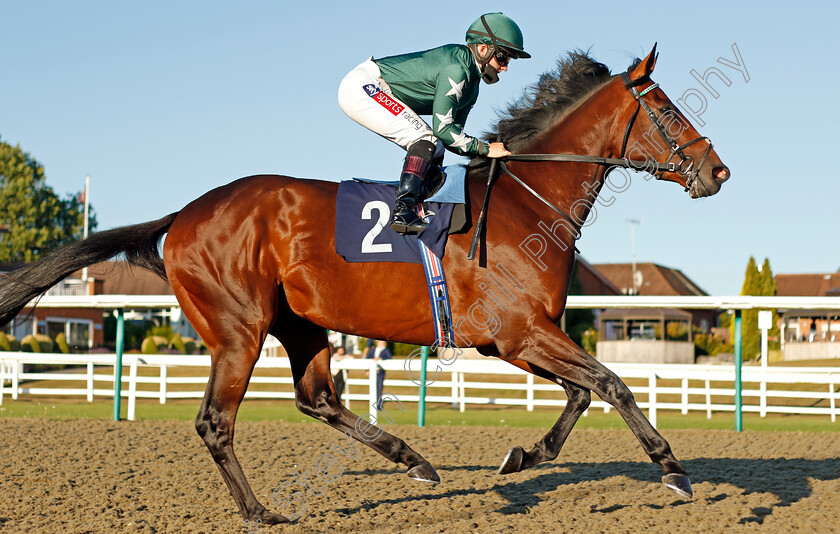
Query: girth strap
(439, 296)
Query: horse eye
(666, 109)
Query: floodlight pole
(85, 231)
(633, 224)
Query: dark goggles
(502, 57)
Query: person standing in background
(379, 353)
(339, 375)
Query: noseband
(686, 166)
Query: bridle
(685, 167)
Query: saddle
(359, 237)
(363, 208)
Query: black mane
(546, 101)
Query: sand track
(101, 476)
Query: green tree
(33, 219)
(767, 286)
(756, 283)
(750, 339)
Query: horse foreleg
(549, 446)
(316, 397)
(549, 348)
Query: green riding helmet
(497, 30)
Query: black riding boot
(434, 178)
(404, 219)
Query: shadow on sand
(786, 478)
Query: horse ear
(646, 66)
(651, 59)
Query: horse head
(580, 122)
(666, 137)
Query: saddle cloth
(363, 211)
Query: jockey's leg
(404, 219)
(435, 176)
(366, 98)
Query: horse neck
(585, 130)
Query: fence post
(16, 379)
(708, 399)
(832, 400)
(132, 388)
(763, 393)
(346, 395)
(454, 389)
(652, 399)
(530, 381)
(372, 400)
(739, 416)
(462, 392)
(345, 391)
(684, 396)
(2, 379)
(90, 381)
(118, 363)
(163, 377)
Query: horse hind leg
(315, 396)
(229, 376)
(547, 449)
(234, 330)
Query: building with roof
(84, 327)
(658, 280)
(644, 335)
(809, 334)
(593, 281)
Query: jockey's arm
(449, 113)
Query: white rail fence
(452, 385)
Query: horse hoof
(269, 518)
(512, 462)
(679, 483)
(424, 473)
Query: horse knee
(619, 393)
(324, 406)
(215, 432)
(201, 426)
(579, 399)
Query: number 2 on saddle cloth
(362, 235)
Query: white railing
(695, 391)
(458, 385)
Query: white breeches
(366, 98)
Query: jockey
(386, 95)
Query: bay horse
(257, 257)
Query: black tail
(138, 242)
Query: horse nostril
(720, 174)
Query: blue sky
(161, 101)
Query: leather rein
(685, 167)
